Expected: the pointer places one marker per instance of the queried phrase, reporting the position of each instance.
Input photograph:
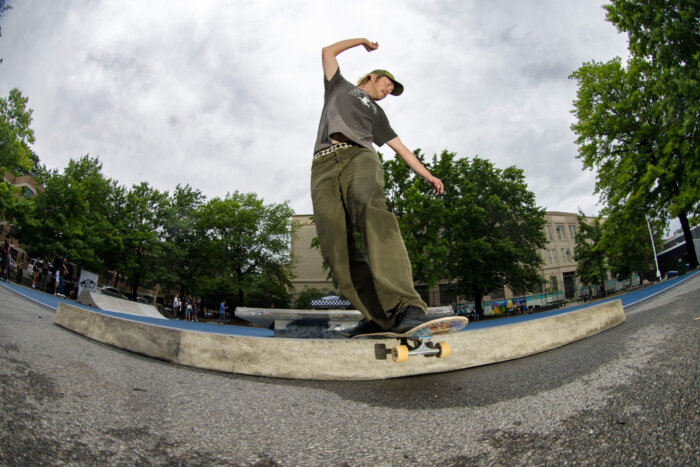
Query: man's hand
(370, 46)
(436, 184)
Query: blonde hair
(364, 79)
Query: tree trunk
(478, 307)
(601, 265)
(692, 256)
(135, 286)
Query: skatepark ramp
(119, 305)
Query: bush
(303, 302)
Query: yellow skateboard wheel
(399, 353)
(444, 348)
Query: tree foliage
(73, 217)
(244, 249)
(592, 260)
(493, 225)
(236, 248)
(627, 243)
(16, 134)
(637, 124)
(16, 156)
(141, 228)
(179, 239)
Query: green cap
(398, 87)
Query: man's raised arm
(328, 54)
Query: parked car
(331, 301)
(112, 292)
(144, 300)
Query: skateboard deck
(416, 341)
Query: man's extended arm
(412, 161)
(328, 54)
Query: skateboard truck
(419, 346)
(416, 341)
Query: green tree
(16, 156)
(494, 227)
(627, 244)
(16, 134)
(74, 216)
(244, 250)
(637, 125)
(592, 261)
(141, 229)
(179, 238)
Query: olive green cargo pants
(347, 190)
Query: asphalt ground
(628, 396)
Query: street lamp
(656, 260)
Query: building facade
(675, 249)
(559, 270)
(308, 263)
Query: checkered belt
(332, 148)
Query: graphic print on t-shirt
(364, 98)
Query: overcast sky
(226, 95)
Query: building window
(561, 235)
(565, 255)
(572, 232)
(551, 256)
(548, 232)
(27, 192)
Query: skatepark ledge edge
(336, 359)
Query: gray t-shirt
(349, 110)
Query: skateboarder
(347, 190)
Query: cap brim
(398, 88)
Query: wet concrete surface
(627, 396)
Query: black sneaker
(363, 327)
(409, 318)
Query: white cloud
(226, 95)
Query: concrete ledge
(330, 359)
(153, 341)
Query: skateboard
(416, 341)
